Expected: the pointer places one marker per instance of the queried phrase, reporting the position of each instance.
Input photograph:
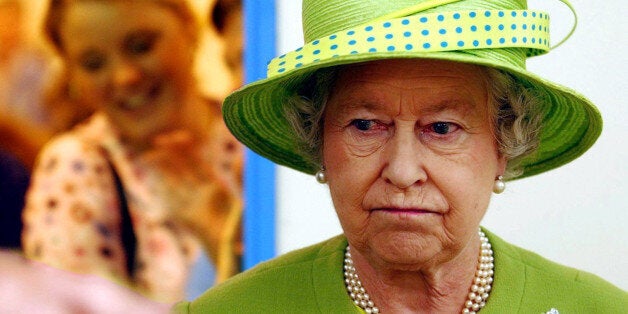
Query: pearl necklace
(476, 299)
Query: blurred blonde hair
(54, 16)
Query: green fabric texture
(310, 280)
(340, 32)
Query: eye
(363, 125)
(92, 61)
(140, 43)
(442, 128)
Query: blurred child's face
(132, 59)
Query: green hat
(494, 33)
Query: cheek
(349, 176)
(175, 59)
(466, 183)
(86, 87)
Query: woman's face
(410, 158)
(131, 59)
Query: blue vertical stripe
(259, 173)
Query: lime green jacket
(310, 280)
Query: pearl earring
(499, 186)
(320, 176)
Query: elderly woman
(413, 113)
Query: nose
(404, 166)
(126, 74)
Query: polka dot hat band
(474, 29)
(494, 33)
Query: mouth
(406, 211)
(140, 99)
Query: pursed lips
(405, 210)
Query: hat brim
(255, 113)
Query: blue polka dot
(461, 43)
(350, 33)
(502, 40)
(533, 14)
(282, 63)
(442, 31)
(317, 51)
(525, 13)
(487, 13)
(501, 27)
(489, 41)
(354, 52)
(474, 28)
(389, 36)
(533, 27)
(372, 50)
(427, 45)
(409, 47)
(405, 22)
(457, 16)
(316, 60)
(423, 20)
(387, 25)
(316, 42)
(513, 26)
(352, 42)
(458, 29)
(299, 49)
(282, 56)
(333, 47)
(525, 39)
(370, 39)
(281, 70)
(298, 65)
(332, 37)
(513, 13)
(335, 56)
(299, 57)
(533, 40)
(525, 26)
(472, 14)
(441, 18)
(407, 34)
(368, 28)
(501, 13)
(514, 40)
(391, 48)
(425, 32)
(487, 28)
(476, 43)
(444, 44)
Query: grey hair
(515, 112)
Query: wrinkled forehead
(443, 85)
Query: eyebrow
(462, 106)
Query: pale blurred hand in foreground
(32, 287)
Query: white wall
(576, 215)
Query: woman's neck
(441, 288)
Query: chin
(404, 249)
